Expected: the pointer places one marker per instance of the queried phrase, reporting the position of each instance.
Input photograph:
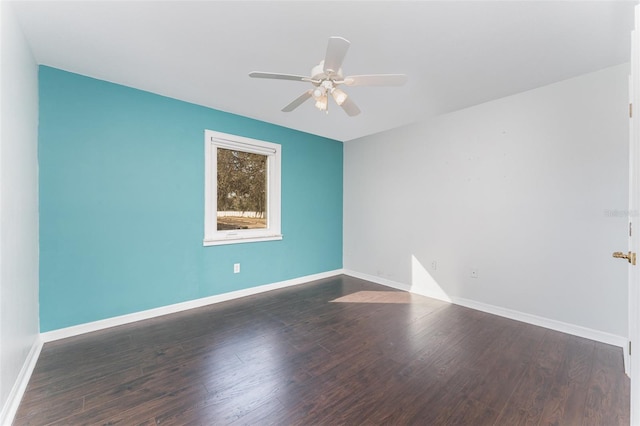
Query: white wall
(516, 188)
(18, 204)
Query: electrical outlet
(434, 265)
(474, 273)
(236, 268)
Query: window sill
(236, 240)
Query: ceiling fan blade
(350, 107)
(276, 76)
(376, 80)
(336, 51)
(298, 101)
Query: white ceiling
(456, 54)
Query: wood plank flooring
(298, 356)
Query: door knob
(631, 256)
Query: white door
(634, 221)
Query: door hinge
(630, 229)
(630, 110)
(629, 347)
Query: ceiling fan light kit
(339, 96)
(327, 76)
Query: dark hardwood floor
(298, 356)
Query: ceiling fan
(327, 76)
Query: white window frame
(214, 140)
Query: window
(242, 190)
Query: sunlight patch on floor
(376, 297)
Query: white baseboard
(576, 330)
(378, 280)
(63, 333)
(17, 391)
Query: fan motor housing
(318, 74)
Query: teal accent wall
(121, 174)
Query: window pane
(242, 190)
